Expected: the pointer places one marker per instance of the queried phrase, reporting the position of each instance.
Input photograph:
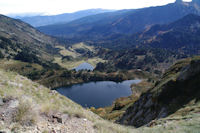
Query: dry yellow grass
(72, 64)
(78, 58)
(67, 64)
(65, 52)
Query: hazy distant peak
(21, 15)
(179, 1)
(61, 18)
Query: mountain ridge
(179, 36)
(121, 22)
(43, 20)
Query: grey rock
(65, 117)
(163, 113)
(149, 103)
(149, 117)
(5, 131)
(13, 104)
(1, 102)
(139, 113)
(189, 71)
(60, 118)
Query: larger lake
(97, 94)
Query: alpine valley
(157, 46)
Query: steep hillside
(26, 106)
(176, 96)
(182, 35)
(61, 18)
(20, 41)
(121, 22)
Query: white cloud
(61, 6)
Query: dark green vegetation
(55, 77)
(22, 42)
(146, 59)
(61, 18)
(121, 22)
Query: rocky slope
(177, 94)
(26, 106)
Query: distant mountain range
(121, 22)
(61, 18)
(182, 35)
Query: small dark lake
(84, 66)
(97, 94)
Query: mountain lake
(97, 94)
(84, 66)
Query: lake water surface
(84, 66)
(97, 94)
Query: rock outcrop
(177, 88)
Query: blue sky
(50, 7)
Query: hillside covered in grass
(26, 106)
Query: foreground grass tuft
(25, 114)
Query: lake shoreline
(79, 83)
(84, 66)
